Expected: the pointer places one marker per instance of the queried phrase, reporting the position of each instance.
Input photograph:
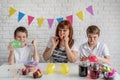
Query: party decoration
(12, 11)
(16, 44)
(64, 68)
(40, 21)
(80, 15)
(50, 22)
(59, 20)
(93, 58)
(20, 16)
(30, 19)
(90, 10)
(51, 67)
(70, 18)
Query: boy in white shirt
(26, 52)
(93, 47)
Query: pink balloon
(93, 58)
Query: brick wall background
(107, 17)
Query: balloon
(64, 68)
(16, 44)
(93, 58)
(51, 67)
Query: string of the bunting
(40, 21)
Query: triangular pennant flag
(40, 21)
(50, 22)
(30, 19)
(80, 15)
(20, 16)
(70, 18)
(12, 11)
(59, 20)
(90, 10)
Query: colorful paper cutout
(50, 22)
(70, 18)
(12, 11)
(40, 21)
(59, 20)
(90, 10)
(30, 19)
(80, 15)
(20, 16)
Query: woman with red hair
(62, 48)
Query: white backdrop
(107, 17)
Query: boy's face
(92, 38)
(21, 36)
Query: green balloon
(16, 44)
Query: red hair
(65, 24)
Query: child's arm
(35, 53)
(11, 55)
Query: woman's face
(63, 32)
(93, 39)
(21, 36)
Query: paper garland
(80, 15)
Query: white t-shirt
(24, 54)
(59, 55)
(100, 50)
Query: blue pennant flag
(59, 20)
(20, 16)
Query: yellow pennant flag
(80, 15)
(12, 11)
(40, 21)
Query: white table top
(73, 74)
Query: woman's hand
(66, 39)
(55, 40)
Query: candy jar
(83, 69)
(94, 70)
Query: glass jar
(94, 70)
(83, 69)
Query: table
(73, 74)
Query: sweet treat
(61, 36)
(37, 74)
(109, 75)
(25, 71)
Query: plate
(31, 63)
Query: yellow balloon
(64, 68)
(51, 67)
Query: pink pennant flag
(90, 10)
(50, 22)
(30, 19)
(70, 18)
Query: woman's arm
(72, 55)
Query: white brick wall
(107, 15)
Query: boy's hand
(10, 47)
(34, 43)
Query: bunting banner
(80, 15)
(70, 18)
(20, 16)
(30, 19)
(59, 20)
(40, 21)
(50, 22)
(90, 10)
(12, 11)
